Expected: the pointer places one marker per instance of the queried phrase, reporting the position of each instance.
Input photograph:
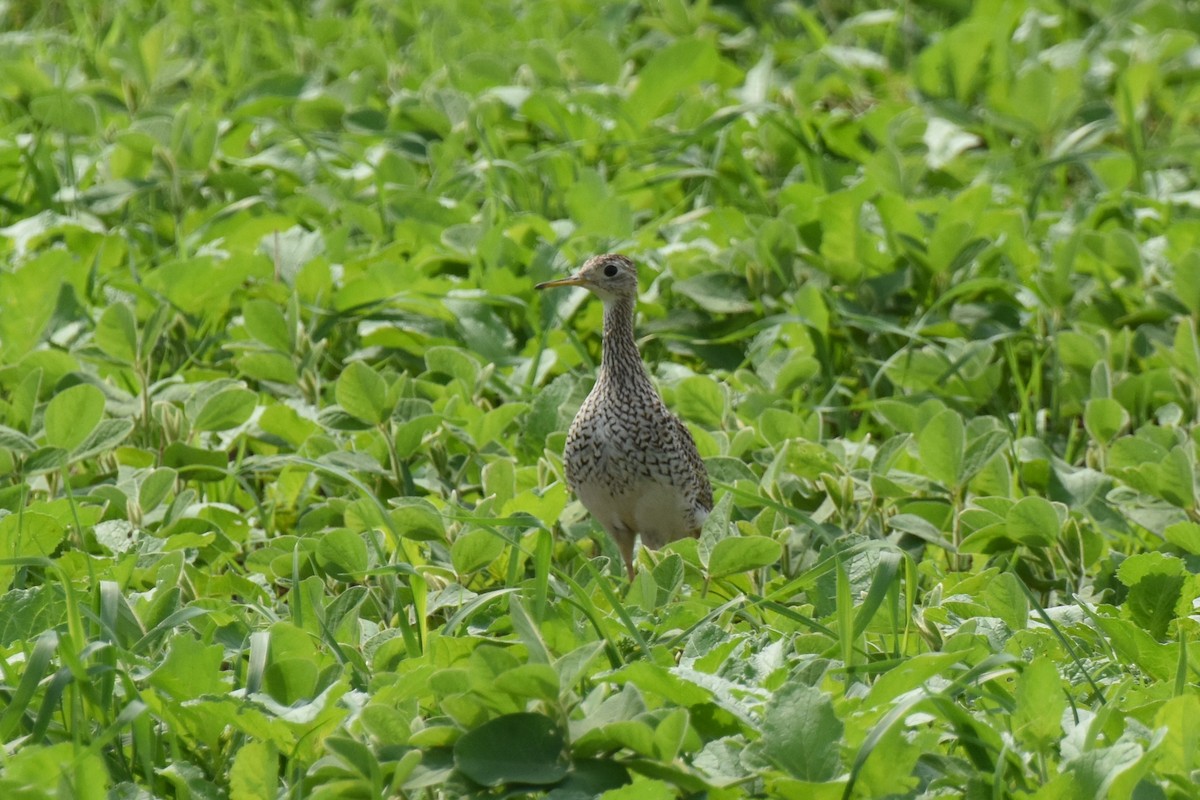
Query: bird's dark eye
(611, 270)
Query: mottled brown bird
(632, 463)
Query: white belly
(658, 512)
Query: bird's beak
(574, 280)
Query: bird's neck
(619, 358)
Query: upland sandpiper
(632, 463)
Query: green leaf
(117, 334)
(530, 681)
(515, 748)
(1105, 418)
(46, 459)
(1033, 522)
(1179, 718)
(417, 518)
(1040, 702)
(226, 409)
(1156, 583)
(106, 436)
(474, 550)
(1005, 600)
(1185, 536)
(453, 362)
(597, 60)
(742, 553)
(30, 534)
(196, 463)
(981, 450)
(255, 772)
(16, 441)
(717, 292)
(155, 487)
(680, 65)
(190, 669)
(941, 447)
(275, 367)
(362, 392)
(343, 553)
(802, 733)
(266, 323)
(72, 415)
(700, 398)
(908, 675)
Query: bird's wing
(695, 464)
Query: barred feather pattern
(633, 463)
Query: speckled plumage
(632, 463)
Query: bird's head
(607, 276)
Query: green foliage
(281, 499)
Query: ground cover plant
(281, 415)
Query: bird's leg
(625, 544)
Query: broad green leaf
(1179, 718)
(742, 553)
(190, 669)
(255, 772)
(532, 681)
(981, 450)
(72, 415)
(1005, 600)
(205, 286)
(644, 789)
(226, 409)
(594, 55)
(417, 518)
(287, 423)
(717, 292)
(1185, 536)
(291, 680)
(116, 333)
(1177, 481)
(46, 459)
(658, 681)
(453, 362)
(343, 553)
(802, 733)
(266, 322)
(670, 734)
(1033, 522)
(196, 463)
(1105, 418)
(908, 675)
(700, 398)
(30, 534)
(670, 71)
(474, 550)
(411, 433)
(16, 441)
(1040, 702)
(363, 392)
(1187, 287)
(105, 437)
(155, 487)
(941, 446)
(1187, 346)
(1156, 582)
(275, 367)
(487, 754)
(24, 400)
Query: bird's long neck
(619, 358)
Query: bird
(631, 462)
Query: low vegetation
(281, 416)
